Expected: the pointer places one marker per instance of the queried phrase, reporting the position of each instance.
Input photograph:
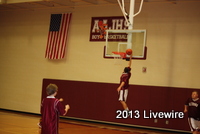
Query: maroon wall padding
(99, 101)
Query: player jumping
(124, 84)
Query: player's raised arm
(130, 61)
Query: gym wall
(172, 57)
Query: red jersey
(51, 108)
(125, 78)
(193, 108)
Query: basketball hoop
(122, 54)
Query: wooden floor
(21, 123)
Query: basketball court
(22, 123)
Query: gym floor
(22, 123)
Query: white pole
(131, 20)
(123, 11)
(131, 14)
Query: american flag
(57, 36)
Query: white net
(117, 59)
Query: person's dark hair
(51, 89)
(127, 69)
(195, 91)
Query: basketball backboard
(120, 40)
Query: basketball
(129, 51)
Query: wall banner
(99, 25)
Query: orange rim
(122, 54)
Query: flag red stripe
(60, 39)
(48, 44)
(53, 44)
(64, 38)
(51, 39)
(67, 26)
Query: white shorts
(123, 95)
(194, 124)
